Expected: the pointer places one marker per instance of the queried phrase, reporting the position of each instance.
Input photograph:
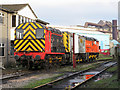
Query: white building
(11, 15)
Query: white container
(76, 43)
(82, 44)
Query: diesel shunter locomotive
(38, 45)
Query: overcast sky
(71, 12)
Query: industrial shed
(103, 39)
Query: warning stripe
(29, 34)
(24, 26)
(16, 46)
(39, 25)
(67, 42)
(34, 25)
(37, 45)
(15, 42)
(29, 48)
(41, 44)
(20, 26)
(22, 45)
(29, 28)
(29, 42)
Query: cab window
(39, 33)
(19, 34)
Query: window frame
(19, 20)
(2, 45)
(14, 22)
(19, 34)
(22, 19)
(36, 33)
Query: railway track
(72, 81)
(18, 74)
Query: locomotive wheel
(24, 63)
(42, 65)
(56, 64)
(91, 59)
(94, 59)
(30, 65)
(36, 67)
(47, 65)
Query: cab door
(48, 41)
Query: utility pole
(74, 61)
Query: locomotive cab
(29, 43)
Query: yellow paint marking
(29, 37)
(43, 41)
(33, 25)
(36, 45)
(38, 25)
(25, 25)
(29, 33)
(29, 49)
(40, 44)
(22, 45)
(29, 28)
(80, 59)
(20, 26)
(30, 45)
(16, 41)
(44, 31)
(19, 43)
(50, 61)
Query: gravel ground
(22, 81)
(13, 70)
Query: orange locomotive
(87, 49)
(92, 48)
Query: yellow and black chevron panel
(29, 41)
(30, 45)
(29, 29)
(30, 25)
(66, 41)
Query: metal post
(74, 61)
(7, 43)
(114, 27)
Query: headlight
(17, 57)
(37, 57)
(23, 57)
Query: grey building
(103, 26)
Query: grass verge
(40, 82)
(79, 67)
(104, 57)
